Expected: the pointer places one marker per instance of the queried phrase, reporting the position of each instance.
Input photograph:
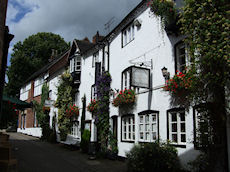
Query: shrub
(85, 141)
(153, 157)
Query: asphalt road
(34, 155)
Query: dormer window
(75, 69)
(75, 64)
(128, 34)
(95, 59)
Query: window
(75, 64)
(38, 86)
(24, 92)
(94, 92)
(128, 128)
(202, 128)
(75, 130)
(181, 57)
(95, 59)
(126, 79)
(176, 127)
(135, 77)
(148, 127)
(128, 35)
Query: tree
(206, 24)
(29, 56)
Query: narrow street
(34, 155)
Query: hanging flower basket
(179, 88)
(125, 98)
(165, 9)
(93, 106)
(72, 111)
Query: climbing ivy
(206, 24)
(42, 115)
(64, 99)
(102, 114)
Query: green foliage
(165, 9)
(155, 157)
(29, 56)
(112, 143)
(102, 114)
(200, 164)
(85, 141)
(42, 116)
(9, 115)
(64, 100)
(206, 24)
(83, 115)
(124, 98)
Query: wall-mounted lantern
(165, 73)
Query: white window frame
(75, 132)
(128, 128)
(180, 65)
(126, 79)
(128, 34)
(177, 122)
(75, 64)
(95, 59)
(149, 127)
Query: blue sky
(69, 18)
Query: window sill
(127, 141)
(127, 43)
(178, 145)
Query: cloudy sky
(68, 18)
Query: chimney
(95, 38)
(86, 40)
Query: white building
(134, 53)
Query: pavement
(34, 155)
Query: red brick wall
(29, 111)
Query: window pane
(124, 135)
(147, 136)
(154, 127)
(129, 136)
(154, 136)
(129, 128)
(147, 118)
(174, 137)
(124, 127)
(183, 138)
(154, 118)
(147, 127)
(182, 116)
(133, 136)
(141, 127)
(174, 117)
(141, 136)
(182, 127)
(174, 127)
(141, 119)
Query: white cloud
(71, 19)
(11, 14)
